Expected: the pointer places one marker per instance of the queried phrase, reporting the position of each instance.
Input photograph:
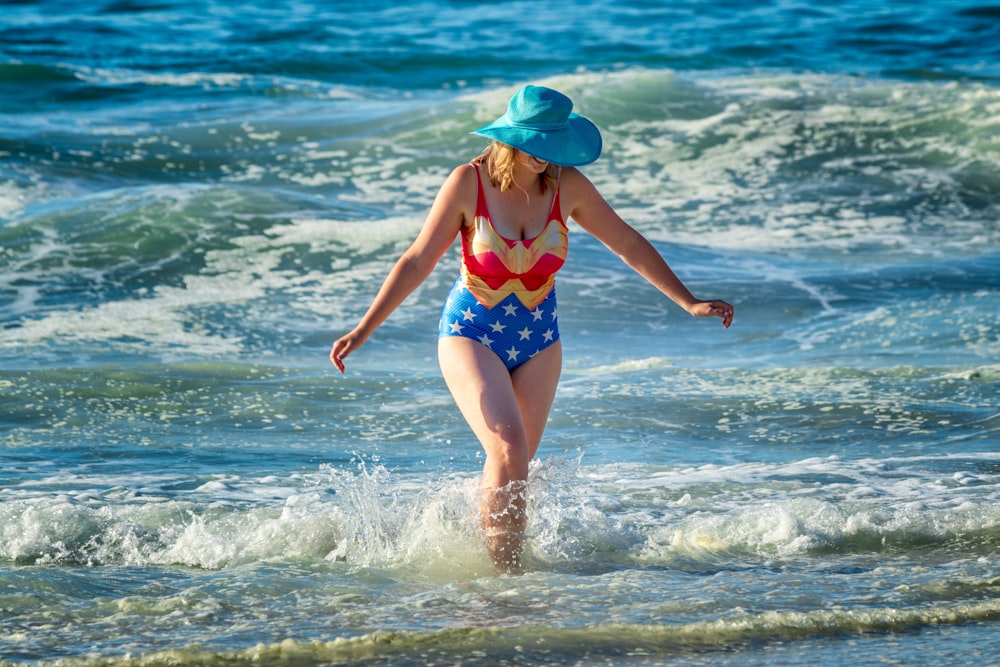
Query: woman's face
(530, 162)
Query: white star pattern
(512, 331)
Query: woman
(498, 344)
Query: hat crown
(539, 108)
(540, 121)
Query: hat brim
(576, 144)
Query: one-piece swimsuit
(505, 295)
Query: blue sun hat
(540, 121)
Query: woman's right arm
(451, 208)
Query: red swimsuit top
(494, 267)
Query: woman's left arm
(582, 202)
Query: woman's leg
(507, 412)
(535, 385)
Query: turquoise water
(197, 198)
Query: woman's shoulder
(574, 186)
(458, 192)
(464, 181)
(464, 175)
(571, 176)
(461, 178)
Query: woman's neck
(527, 180)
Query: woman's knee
(517, 456)
(508, 460)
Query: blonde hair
(499, 161)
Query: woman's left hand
(714, 308)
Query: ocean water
(197, 198)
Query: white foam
(12, 198)
(364, 516)
(728, 177)
(124, 76)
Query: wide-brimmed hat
(540, 121)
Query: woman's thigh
(483, 390)
(506, 411)
(535, 384)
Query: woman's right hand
(713, 308)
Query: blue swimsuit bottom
(514, 333)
